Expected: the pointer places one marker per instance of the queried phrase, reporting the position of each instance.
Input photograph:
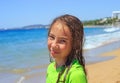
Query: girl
(65, 43)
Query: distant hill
(35, 26)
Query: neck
(59, 63)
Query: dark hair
(76, 28)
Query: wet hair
(76, 29)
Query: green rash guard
(75, 74)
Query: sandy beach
(105, 71)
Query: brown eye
(51, 37)
(62, 41)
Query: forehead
(60, 28)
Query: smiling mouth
(54, 52)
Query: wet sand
(106, 71)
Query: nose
(54, 45)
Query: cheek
(66, 48)
(63, 47)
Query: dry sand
(106, 71)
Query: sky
(19, 13)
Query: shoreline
(93, 76)
(96, 71)
(94, 55)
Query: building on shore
(116, 18)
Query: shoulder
(50, 66)
(77, 71)
(77, 74)
(76, 66)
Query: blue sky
(18, 13)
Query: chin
(54, 56)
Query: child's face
(59, 41)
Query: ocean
(24, 56)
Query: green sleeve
(77, 77)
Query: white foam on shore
(99, 40)
(21, 79)
(111, 29)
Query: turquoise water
(24, 52)
(21, 46)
